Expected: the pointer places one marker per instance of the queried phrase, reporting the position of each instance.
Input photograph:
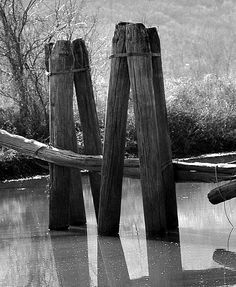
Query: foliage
(202, 116)
(25, 27)
(13, 165)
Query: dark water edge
(19, 166)
(202, 254)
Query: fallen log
(184, 171)
(223, 157)
(60, 157)
(203, 172)
(222, 193)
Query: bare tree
(25, 26)
(19, 49)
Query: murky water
(205, 254)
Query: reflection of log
(222, 193)
(209, 277)
(226, 258)
(184, 171)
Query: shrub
(202, 116)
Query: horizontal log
(60, 157)
(184, 171)
(222, 193)
(223, 157)
(203, 172)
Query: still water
(202, 254)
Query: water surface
(202, 254)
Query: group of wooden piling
(68, 67)
(136, 66)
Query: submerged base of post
(59, 201)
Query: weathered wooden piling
(87, 112)
(163, 131)
(141, 78)
(114, 142)
(62, 136)
(77, 208)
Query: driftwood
(184, 171)
(203, 172)
(222, 193)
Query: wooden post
(77, 208)
(114, 143)
(88, 113)
(163, 132)
(141, 78)
(61, 133)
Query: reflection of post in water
(40, 267)
(101, 270)
(70, 251)
(164, 263)
(112, 269)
